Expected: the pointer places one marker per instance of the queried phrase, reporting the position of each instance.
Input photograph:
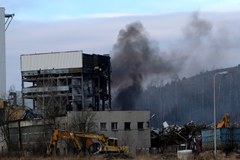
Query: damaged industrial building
(68, 81)
(70, 91)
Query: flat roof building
(57, 82)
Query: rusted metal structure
(65, 81)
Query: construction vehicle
(103, 145)
(225, 122)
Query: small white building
(130, 127)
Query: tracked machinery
(102, 144)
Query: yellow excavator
(225, 122)
(104, 145)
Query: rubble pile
(188, 134)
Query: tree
(8, 114)
(83, 121)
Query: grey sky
(98, 35)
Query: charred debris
(186, 136)
(197, 137)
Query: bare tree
(83, 121)
(8, 114)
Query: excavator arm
(56, 136)
(99, 137)
(53, 142)
(225, 122)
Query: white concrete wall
(56, 60)
(2, 54)
(27, 123)
(134, 138)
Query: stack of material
(176, 135)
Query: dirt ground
(207, 155)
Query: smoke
(196, 31)
(203, 45)
(135, 59)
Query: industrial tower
(3, 27)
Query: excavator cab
(112, 141)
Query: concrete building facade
(130, 127)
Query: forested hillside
(191, 99)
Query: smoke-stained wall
(2, 54)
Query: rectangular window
(103, 126)
(127, 126)
(114, 126)
(140, 125)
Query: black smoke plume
(135, 59)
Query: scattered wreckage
(197, 137)
(186, 137)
